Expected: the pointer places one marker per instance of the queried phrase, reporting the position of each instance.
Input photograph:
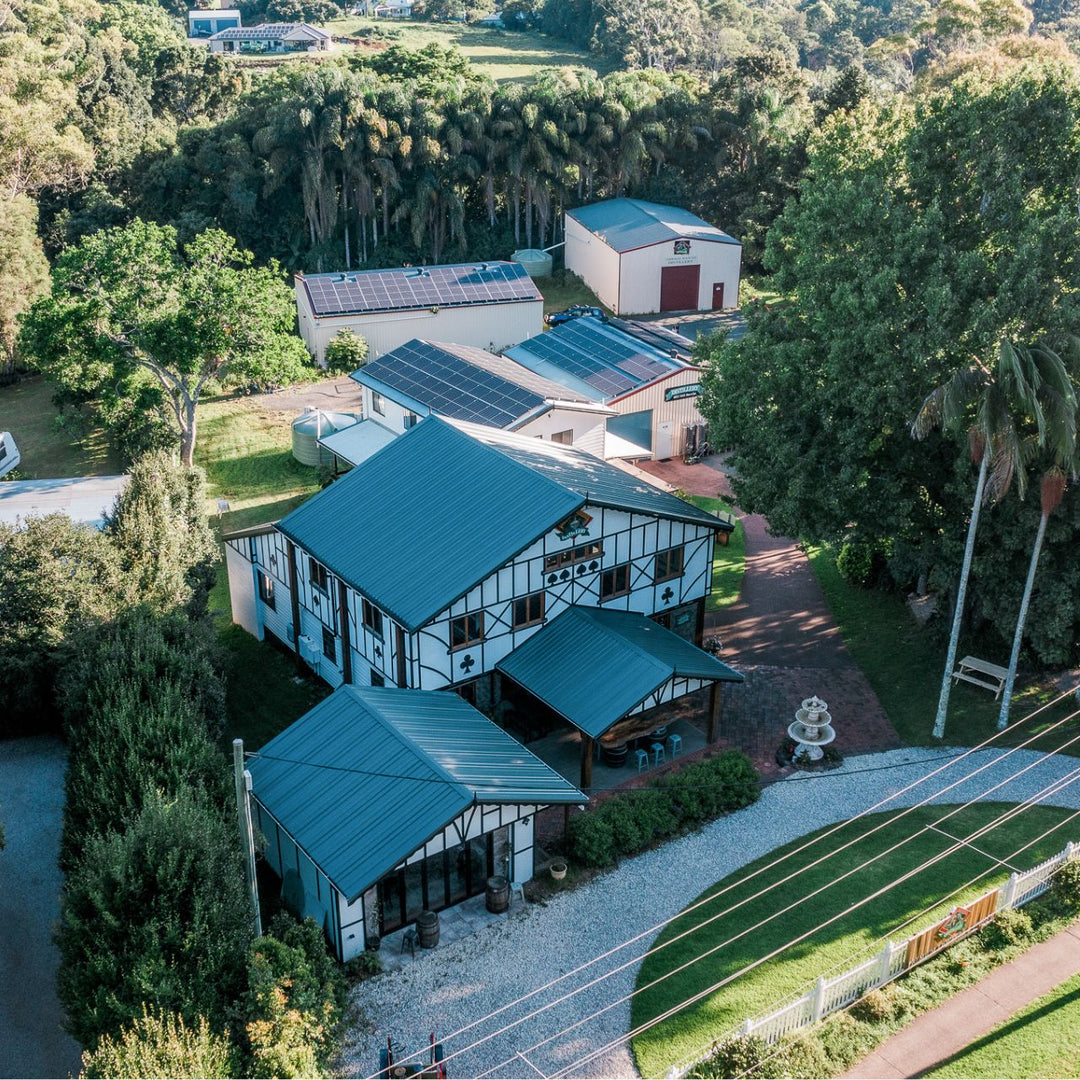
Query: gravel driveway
(453, 986)
(32, 1042)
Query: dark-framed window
(411, 420)
(329, 645)
(266, 591)
(668, 564)
(615, 582)
(253, 549)
(377, 678)
(371, 617)
(377, 403)
(466, 630)
(529, 610)
(320, 579)
(564, 438)
(592, 550)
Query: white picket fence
(830, 994)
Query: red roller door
(679, 288)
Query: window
(377, 403)
(320, 579)
(371, 617)
(329, 645)
(564, 437)
(376, 678)
(529, 610)
(411, 420)
(266, 591)
(253, 547)
(573, 555)
(615, 582)
(668, 564)
(466, 630)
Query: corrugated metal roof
(370, 774)
(411, 288)
(267, 32)
(420, 522)
(358, 441)
(626, 224)
(85, 499)
(593, 666)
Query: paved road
(32, 1042)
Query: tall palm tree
(1060, 405)
(998, 397)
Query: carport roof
(594, 666)
(372, 773)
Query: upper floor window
(377, 403)
(593, 550)
(615, 582)
(320, 579)
(564, 437)
(253, 547)
(529, 610)
(668, 564)
(266, 591)
(466, 630)
(371, 617)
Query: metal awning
(595, 666)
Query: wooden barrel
(614, 756)
(498, 894)
(427, 929)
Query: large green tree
(135, 300)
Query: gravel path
(450, 987)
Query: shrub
(365, 966)
(162, 1044)
(856, 562)
(157, 914)
(346, 352)
(1066, 883)
(873, 1007)
(1008, 927)
(590, 839)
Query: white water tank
(537, 263)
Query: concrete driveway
(32, 1040)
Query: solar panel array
(613, 363)
(451, 386)
(412, 288)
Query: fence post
(1070, 851)
(1008, 894)
(886, 964)
(819, 998)
(747, 1027)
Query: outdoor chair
(675, 744)
(642, 759)
(658, 753)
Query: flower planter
(558, 870)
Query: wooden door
(718, 296)
(679, 288)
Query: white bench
(971, 667)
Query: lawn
(1041, 1040)
(847, 941)
(563, 290)
(903, 663)
(504, 55)
(729, 561)
(48, 450)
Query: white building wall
(489, 326)
(639, 290)
(593, 261)
(679, 413)
(392, 416)
(242, 586)
(585, 428)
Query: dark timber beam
(294, 597)
(586, 762)
(346, 642)
(715, 706)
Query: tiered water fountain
(812, 729)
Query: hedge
(628, 823)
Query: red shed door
(718, 296)
(679, 288)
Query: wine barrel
(498, 894)
(614, 756)
(427, 929)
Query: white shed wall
(593, 261)
(639, 291)
(678, 413)
(245, 612)
(587, 428)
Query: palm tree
(1058, 399)
(997, 396)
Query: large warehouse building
(641, 257)
(489, 305)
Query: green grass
(504, 55)
(729, 561)
(563, 289)
(1041, 1040)
(850, 939)
(27, 411)
(903, 663)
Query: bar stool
(409, 940)
(642, 759)
(658, 753)
(675, 743)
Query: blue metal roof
(593, 666)
(626, 224)
(461, 382)
(411, 288)
(595, 357)
(370, 774)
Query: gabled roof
(370, 774)
(593, 666)
(462, 383)
(412, 288)
(270, 32)
(440, 508)
(595, 357)
(627, 224)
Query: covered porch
(633, 693)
